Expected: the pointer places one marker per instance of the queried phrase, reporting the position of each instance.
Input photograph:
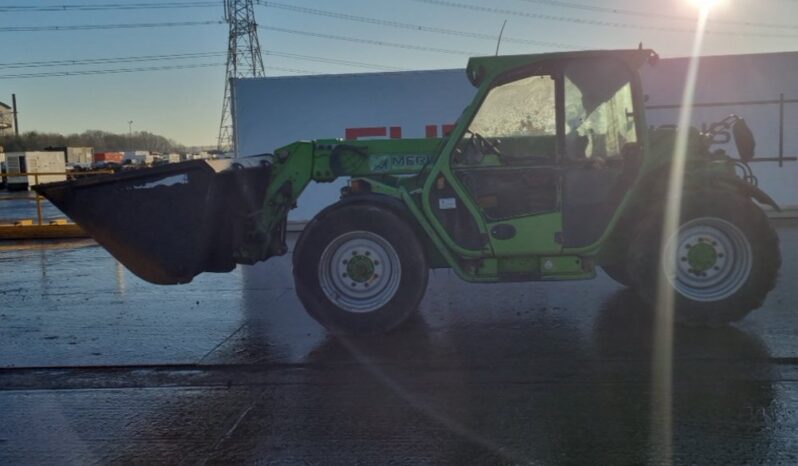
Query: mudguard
(749, 190)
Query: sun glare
(705, 4)
(662, 355)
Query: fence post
(781, 130)
(38, 199)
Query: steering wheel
(475, 149)
(485, 146)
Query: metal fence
(780, 103)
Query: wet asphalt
(20, 205)
(99, 367)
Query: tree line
(101, 141)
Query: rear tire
(360, 269)
(720, 264)
(618, 272)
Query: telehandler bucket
(167, 223)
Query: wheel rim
(359, 271)
(708, 259)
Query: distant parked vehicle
(115, 167)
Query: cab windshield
(518, 119)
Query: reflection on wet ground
(22, 205)
(230, 369)
(29, 247)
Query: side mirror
(653, 58)
(744, 139)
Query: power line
(555, 3)
(293, 70)
(370, 42)
(649, 14)
(592, 22)
(332, 61)
(96, 61)
(109, 71)
(106, 6)
(86, 27)
(185, 56)
(412, 27)
(141, 69)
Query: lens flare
(662, 354)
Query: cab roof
(481, 67)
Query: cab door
(501, 190)
(603, 153)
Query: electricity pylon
(243, 60)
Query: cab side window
(516, 121)
(599, 110)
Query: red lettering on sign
(394, 132)
(354, 133)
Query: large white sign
(272, 112)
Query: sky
(185, 104)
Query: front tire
(720, 264)
(360, 269)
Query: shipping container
(79, 156)
(114, 157)
(75, 156)
(34, 162)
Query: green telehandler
(550, 173)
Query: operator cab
(557, 137)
